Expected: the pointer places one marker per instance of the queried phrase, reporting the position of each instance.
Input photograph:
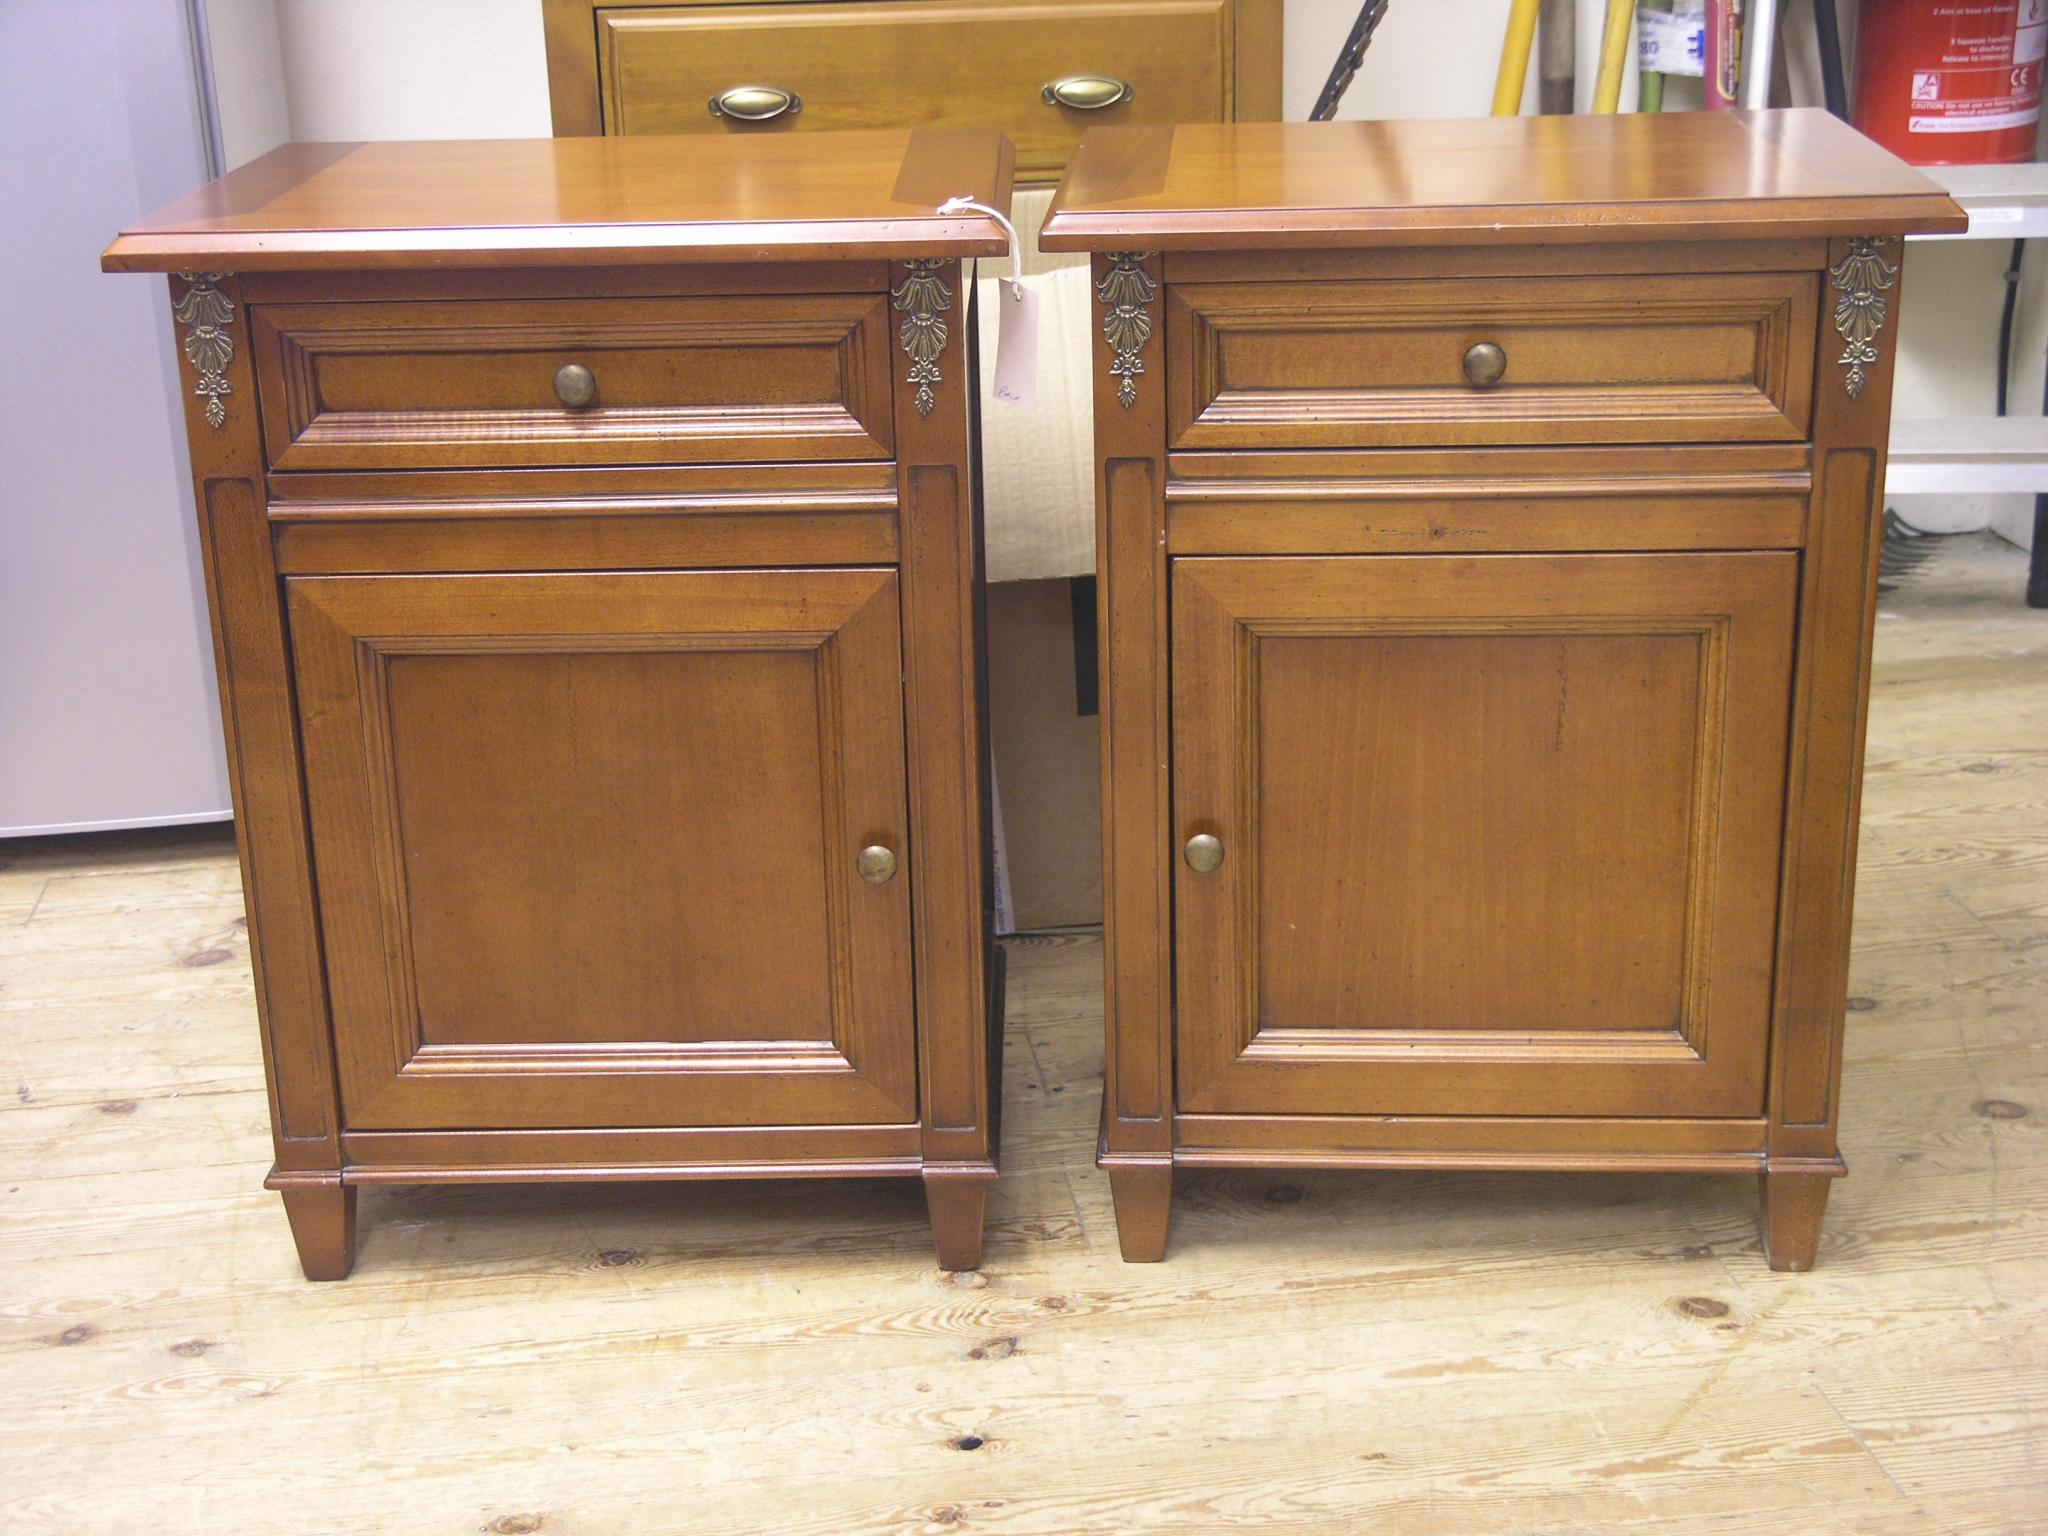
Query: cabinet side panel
(1257, 33)
(570, 29)
(1131, 373)
(1858, 338)
(260, 721)
(943, 713)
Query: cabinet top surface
(628, 199)
(1521, 180)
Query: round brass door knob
(877, 865)
(575, 385)
(1204, 853)
(1485, 363)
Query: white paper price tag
(1016, 380)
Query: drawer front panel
(1491, 835)
(584, 519)
(480, 383)
(1495, 500)
(962, 65)
(1676, 358)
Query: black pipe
(1827, 31)
(2012, 295)
(2037, 562)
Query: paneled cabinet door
(590, 847)
(1497, 834)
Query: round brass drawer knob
(1204, 853)
(575, 385)
(1485, 363)
(877, 865)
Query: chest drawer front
(479, 383)
(1667, 358)
(971, 64)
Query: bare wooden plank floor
(1395, 1353)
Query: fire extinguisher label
(1994, 79)
(1972, 100)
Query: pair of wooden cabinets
(1487, 521)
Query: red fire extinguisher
(1951, 82)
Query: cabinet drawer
(479, 383)
(582, 519)
(968, 64)
(1445, 501)
(1669, 358)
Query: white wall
(248, 73)
(403, 69)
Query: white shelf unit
(1979, 454)
(2004, 202)
(1967, 453)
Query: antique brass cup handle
(1087, 93)
(756, 103)
(1485, 363)
(877, 865)
(1204, 853)
(575, 385)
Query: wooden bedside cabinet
(1489, 527)
(592, 536)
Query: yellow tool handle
(1514, 58)
(1614, 41)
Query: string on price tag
(1016, 373)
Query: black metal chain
(1348, 60)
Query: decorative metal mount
(922, 297)
(1127, 288)
(206, 314)
(1862, 277)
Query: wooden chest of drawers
(1488, 519)
(592, 531)
(1040, 71)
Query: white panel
(107, 708)
(248, 74)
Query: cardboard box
(1047, 780)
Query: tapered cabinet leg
(323, 1219)
(957, 1208)
(1793, 1205)
(1144, 1201)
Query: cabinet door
(1500, 834)
(587, 846)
